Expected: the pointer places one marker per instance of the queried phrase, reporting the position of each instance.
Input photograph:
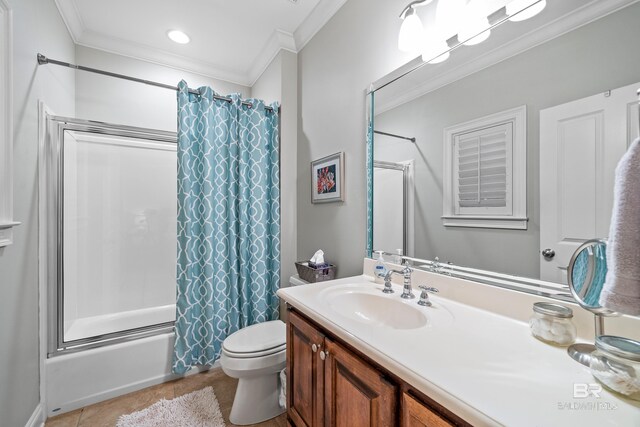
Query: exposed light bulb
(516, 12)
(435, 49)
(178, 36)
(474, 33)
(475, 25)
(449, 16)
(411, 33)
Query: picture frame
(327, 179)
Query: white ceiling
(233, 40)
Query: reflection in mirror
(576, 75)
(587, 272)
(393, 201)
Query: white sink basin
(360, 304)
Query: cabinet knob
(314, 348)
(324, 355)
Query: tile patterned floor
(105, 414)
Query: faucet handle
(387, 285)
(424, 295)
(405, 264)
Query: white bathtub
(126, 320)
(79, 379)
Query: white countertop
(485, 367)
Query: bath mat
(197, 409)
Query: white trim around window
(6, 126)
(485, 172)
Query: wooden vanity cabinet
(305, 373)
(355, 393)
(416, 414)
(330, 385)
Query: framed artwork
(327, 179)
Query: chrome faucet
(406, 274)
(435, 266)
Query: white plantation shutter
(484, 181)
(483, 170)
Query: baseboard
(37, 418)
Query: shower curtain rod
(412, 139)
(43, 60)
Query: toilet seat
(248, 355)
(262, 339)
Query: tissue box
(314, 275)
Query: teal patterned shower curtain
(228, 222)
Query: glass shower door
(116, 232)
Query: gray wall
(357, 46)
(118, 101)
(37, 27)
(592, 59)
(279, 82)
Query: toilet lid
(260, 337)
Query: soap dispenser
(380, 269)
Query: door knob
(324, 355)
(548, 253)
(314, 347)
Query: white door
(581, 143)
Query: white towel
(621, 290)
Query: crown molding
(586, 14)
(71, 17)
(83, 37)
(279, 40)
(146, 53)
(318, 18)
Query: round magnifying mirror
(586, 274)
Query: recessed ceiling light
(178, 36)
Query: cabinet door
(416, 414)
(356, 394)
(304, 372)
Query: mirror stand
(581, 352)
(586, 274)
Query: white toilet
(256, 355)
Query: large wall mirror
(516, 143)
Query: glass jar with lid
(616, 364)
(551, 323)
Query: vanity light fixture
(473, 22)
(411, 31)
(475, 25)
(178, 36)
(527, 8)
(435, 49)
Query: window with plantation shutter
(485, 172)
